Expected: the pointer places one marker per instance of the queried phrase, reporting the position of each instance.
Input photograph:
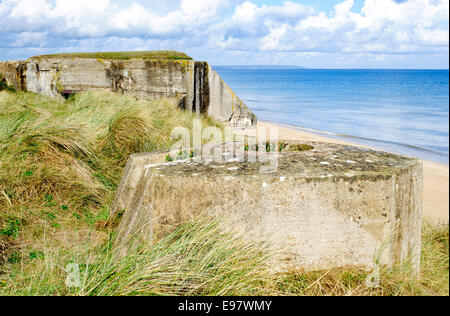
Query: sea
(401, 111)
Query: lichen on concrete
(321, 160)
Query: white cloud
(383, 26)
(201, 10)
(245, 12)
(249, 11)
(88, 18)
(413, 28)
(273, 40)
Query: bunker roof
(157, 54)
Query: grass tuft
(196, 259)
(199, 259)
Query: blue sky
(310, 33)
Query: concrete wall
(225, 103)
(142, 78)
(198, 87)
(12, 71)
(334, 206)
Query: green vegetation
(199, 259)
(182, 155)
(161, 54)
(282, 147)
(269, 147)
(196, 259)
(4, 86)
(12, 229)
(60, 164)
(295, 147)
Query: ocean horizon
(405, 111)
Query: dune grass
(159, 54)
(196, 259)
(199, 259)
(60, 164)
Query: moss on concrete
(283, 147)
(160, 54)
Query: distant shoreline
(288, 67)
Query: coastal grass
(199, 259)
(61, 161)
(60, 164)
(160, 54)
(196, 259)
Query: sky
(309, 33)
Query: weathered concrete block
(332, 206)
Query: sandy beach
(436, 181)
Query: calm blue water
(403, 111)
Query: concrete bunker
(198, 87)
(324, 206)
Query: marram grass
(60, 164)
(196, 259)
(158, 54)
(199, 259)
